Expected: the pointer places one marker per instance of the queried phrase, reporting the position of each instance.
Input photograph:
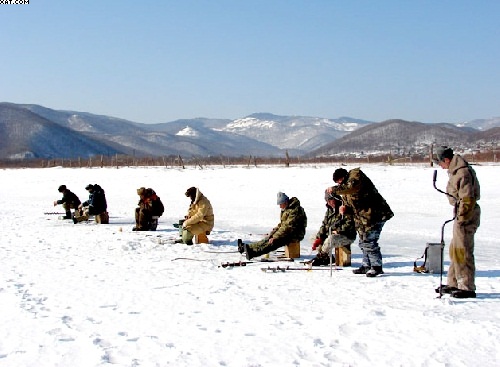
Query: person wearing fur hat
(199, 218)
(371, 211)
(463, 193)
(291, 228)
(143, 212)
(337, 230)
(69, 201)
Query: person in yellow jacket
(200, 216)
(463, 193)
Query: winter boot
(154, 224)
(363, 269)
(249, 252)
(321, 259)
(374, 271)
(462, 293)
(79, 217)
(446, 289)
(241, 246)
(68, 215)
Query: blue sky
(158, 61)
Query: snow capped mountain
(296, 133)
(36, 131)
(187, 131)
(481, 124)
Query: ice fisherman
(149, 209)
(291, 228)
(463, 193)
(199, 218)
(371, 212)
(69, 201)
(96, 205)
(337, 230)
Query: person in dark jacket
(96, 205)
(149, 209)
(370, 210)
(69, 201)
(337, 230)
(292, 228)
(157, 208)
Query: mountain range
(33, 131)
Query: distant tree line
(176, 161)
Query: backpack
(433, 259)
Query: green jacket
(293, 222)
(359, 193)
(343, 224)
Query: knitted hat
(282, 198)
(89, 187)
(61, 188)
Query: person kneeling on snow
(96, 205)
(292, 228)
(341, 225)
(69, 201)
(200, 217)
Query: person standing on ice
(292, 228)
(69, 201)
(463, 193)
(341, 225)
(200, 217)
(371, 211)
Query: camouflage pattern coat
(342, 224)
(293, 222)
(359, 193)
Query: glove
(457, 254)
(316, 243)
(467, 209)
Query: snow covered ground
(99, 295)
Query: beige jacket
(200, 216)
(464, 188)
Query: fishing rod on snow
(442, 232)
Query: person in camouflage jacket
(343, 231)
(463, 193)
(370, 211)
(292, 228)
